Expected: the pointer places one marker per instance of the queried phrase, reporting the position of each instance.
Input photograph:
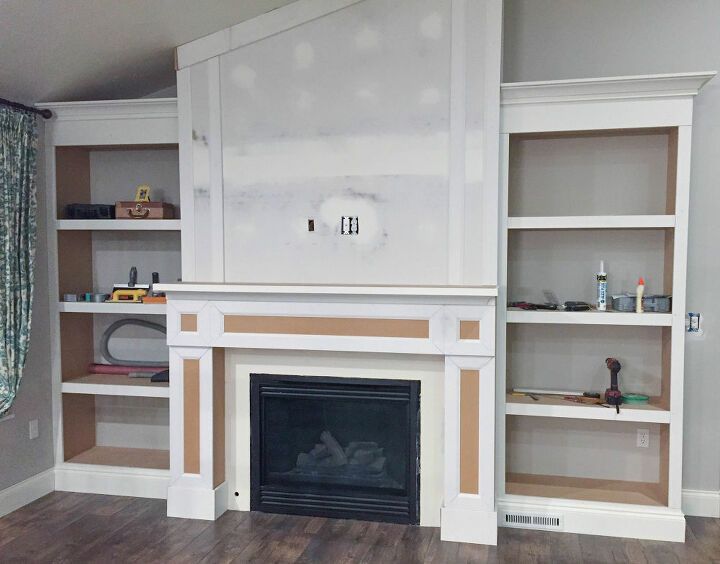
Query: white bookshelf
(111, 430)
(592, 172)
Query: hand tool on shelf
(613, 395)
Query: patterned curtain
(18, 208)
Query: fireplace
(335, 447)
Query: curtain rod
(47, 114)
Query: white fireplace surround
(334, 331)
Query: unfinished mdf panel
(78, 424)
(76, 345)
(565, 262)
(623, 172)
(72, 177)
(572, 357)
(601, 452)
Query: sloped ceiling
(61, 50)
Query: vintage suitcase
(144, 210)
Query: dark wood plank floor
(67, 527)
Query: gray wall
(21, 458)
(556, 39)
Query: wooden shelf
(593, 222)
(117, 225)
(555, 406)
(116, 385)
(107, 307)
(584, 489)
(517, 315)
(124, 457)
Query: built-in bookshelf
(593, 172)
(110, 428)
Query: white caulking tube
(601, 278)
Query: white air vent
(534, 521)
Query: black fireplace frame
(375, 507)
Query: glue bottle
(601, 278)
(639, 295)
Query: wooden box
(144, 210)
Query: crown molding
(619, 87)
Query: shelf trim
(112, 389)
(592, 222)
(592, 317)
(517, 405)
(121, 308)
(117, 225)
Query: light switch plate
(33, 429)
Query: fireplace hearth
(335, 447)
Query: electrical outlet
(643, 438)
(349, 225)
(33, 429)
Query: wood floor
(79, 528)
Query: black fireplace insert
(335, 447)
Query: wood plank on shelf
(117, 225)
(556, 406)
(593, 317)
(124, 457)
(109, 307)
(116, 385)
(593, 222)
(584, 489)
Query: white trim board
(111, 480)
(701, 503)
(27, 491)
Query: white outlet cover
(643, 438)
(33, 429)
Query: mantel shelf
(330, 290)
(593, 222)
(555, 406)
(648, 319)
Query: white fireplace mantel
(456, 323)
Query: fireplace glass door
(335, 447)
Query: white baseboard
(606, 519)
(110, 480)
(701, 503)
(27, 491)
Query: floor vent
(534, 521)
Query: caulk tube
(639, 296)
(601, 278)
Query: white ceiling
(58, 50)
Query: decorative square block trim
(188, 323)
(469, 430)
(191, 416)
(470, 330)
(335, 326)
